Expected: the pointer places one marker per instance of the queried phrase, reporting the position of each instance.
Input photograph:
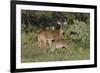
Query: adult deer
(47, 36)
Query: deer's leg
(39, 42)
(50, 42)
(44, 43)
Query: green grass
(30, 51)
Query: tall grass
(30, 51)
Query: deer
(59, 44)
(46, 36)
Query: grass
(30, 51)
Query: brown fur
(47, 36)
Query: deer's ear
(65, 23)
(59, 23)
(47, 27)
(53, 28)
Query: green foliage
(77, 33)
(70, 17)
(30, 51)
(44, 13)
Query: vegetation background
(77, 33)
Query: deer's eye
(63, 33)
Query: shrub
(79, 31)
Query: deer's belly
(59, 46)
